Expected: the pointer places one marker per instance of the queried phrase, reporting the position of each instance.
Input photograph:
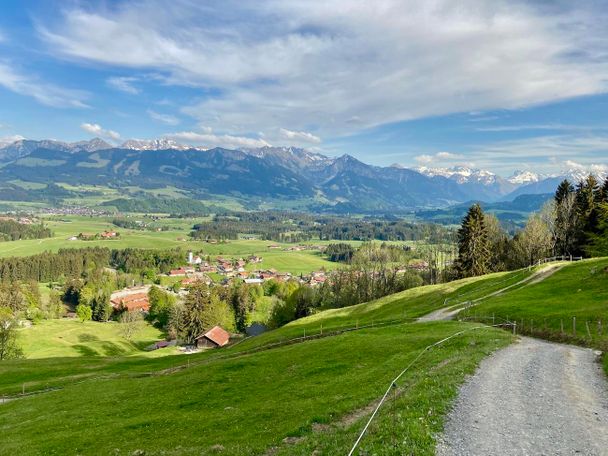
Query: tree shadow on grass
(87, 338)
(112, 349)
(84, 350)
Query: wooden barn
(214, 338)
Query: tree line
(11, 230)
(70, 263)
(573, 223)
(299, 227)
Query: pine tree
(566, 219)
(564, 189)
(473, 245)
(603, 195)
(587, 196)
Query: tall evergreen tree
(566, 219)
(587, 198)
(564, 189)
(603, 195)
(473, 244)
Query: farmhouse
(214, 338)
(132, 302)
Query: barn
(214, 338)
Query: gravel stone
(531, 398)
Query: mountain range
(285, 174)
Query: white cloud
(545, 154)
(97, 130)
(124, 84)
(439, 156)
(208, 140)
(424, 159)
(164, 118)
(299, 136)
(344, 65)
(46, 94)
(448, 156)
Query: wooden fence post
(561, 323)
(588, 330)
(574, 326)
(599, 328)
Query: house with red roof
(214, 338)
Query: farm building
(132, 302)
(214, 338)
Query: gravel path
(531, 398)
(448, 313)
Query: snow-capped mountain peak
(524, 177)
(154, 144)
(460, 174)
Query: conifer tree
(603, 195)
(587, 198)
(566, 219)
(564, 189)
(473, 245)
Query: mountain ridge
(284, 173)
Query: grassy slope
(415, 302)
(405, 306)
(577, 290)
(65, 338)
(250, 403)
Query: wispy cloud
(44, 93)
(540, 127)
(300, 136)
(208, 139)
(326, 63)
(164, 118)
(438, 157)
(124, 84)
(97, 130)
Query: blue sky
(501, 85)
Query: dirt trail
(447, 313)
(531, 398)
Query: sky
(501, 85)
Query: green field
(258, 397)
(65, 338)
(63, 228)
(576, 296)
(315, 393)
(248, 404)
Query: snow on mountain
(93, 145)
(578, 173)
(460, 174)
(154, 144)
(286, 153)
(524, 177)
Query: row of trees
(298, 227)
(574, 222)
(11, 230)
(70, 263)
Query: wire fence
(585, 331)
(393, 384)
